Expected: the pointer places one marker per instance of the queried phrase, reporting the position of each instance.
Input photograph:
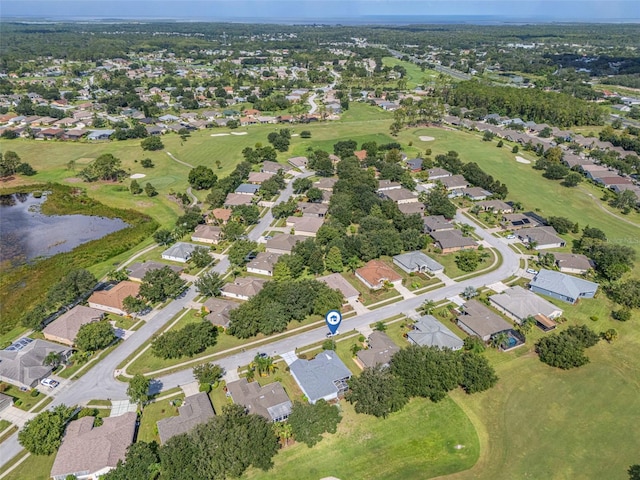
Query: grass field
(418, 442)
(36, 467)
(415, 76)
(148, 430)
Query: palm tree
(263, 365)
(283, 431)
(53, 359)
(427, 307)
(499, 340)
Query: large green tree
(376, 391)
(95, 336)
(209, 284)
(138, 389)
(160, 284)
(141, 463)
(202, 178)
(42, 435)
(310, 421)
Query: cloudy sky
(318, 10)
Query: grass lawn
(218, 398)
(418, 442)
(148, 430)
(36, 467)
(415, 76)
(24, 398)
(343, 349)
(4, 427)
(448, 261)
(370, 296)
(122, 322)
(395, 331)
(284, 377)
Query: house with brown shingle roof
(90, 452)
(338, 282)
(195, 410)
(236, 199)
(111, 300)
(220, 215)
(219, 311)
(283, 243)
(376, 273)
(263, 264)
(380, 349)
(270, 401)
(307, 226)
(309, 209)
(258, 177)
(243, 288)
(207, 234)
(65, 328)
(450, 241)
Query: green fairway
(415, 76)
(418, 442)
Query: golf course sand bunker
(522, 160)
(137, 175)
(219, 134)
(426, 138)
(238, 133)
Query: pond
(26, 233)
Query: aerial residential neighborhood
(325, 248)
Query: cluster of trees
(418, 372)
(308, 422)
(280, 140)
(281, 302)
(202, 178)
(612, 259)
(137, 131)
(187, 341)
(627, 294)
(136, 189)
(73, 286)
(529, 104)
(160, 284)
(260, 154)
(228, 184)
(626, 140)
(42, 435)
(152, 143)
(95, 336)
(224, 447)
(105, 167)
(566, 349)
(10, 164)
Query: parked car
(268, 237)
(262, 355)
(510, 237)
(48, 382)
(532, 271)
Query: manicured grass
(123, 322)
(219, 398)
(148, 430)
(26, 400)
(99, 403)
(343, 349)
(4, 426)
(448, 261)
(72, 370)
(415, 76)
(418, 442)
(369, 296)
(35, 467)
(284, 377)
(44, 402)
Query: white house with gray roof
(179, 252)
(417, 261)
(24, 367)
(427, 331)
(519, 304)
(324, 377)
(563, 287)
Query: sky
(309, 11)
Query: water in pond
(25, 233)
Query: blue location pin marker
(333, 319)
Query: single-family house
(195, 410)
(307, 226)
(137, 271)
(427, 331)
(338, 282)
(562, 286)
(495, 206)
(436, 223)
(89, 452)
(360, 155)
(478, 320)
(476, 193)
(519, 304)
(415, 164)
(179, 252)
(417, 261)
(309, 209)
(274, 167)
(298, 162)
(220, 216)
(326, 183)
(400, 195)
(573, 263)
(323, 377)
(258, 177)
(247, 189)
(454, 182)
(237, 199)
(386, 185)
(111, 299)
(243, 288)
(65, 328)
(375, 274)
(283, 243)
(22, 363)
(438, 173)
(207, 234)
(516, 221)
(100, 134)
(541, 238)
(380, 349)
(263, 264)
(219, 310)
(449, 241)
(270, 401)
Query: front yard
(370, 296)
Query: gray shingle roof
(562, 284)
(381, 349)
(180, 250)
(319, 378)
(430, 332)
(481, 320)
(270, 401)
(138, 270)
(25, 366)
(195, 410)
(415, 260)
(523, 303)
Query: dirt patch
(426, 138)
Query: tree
(188, 341)
(53, 359)
(239, 251)
(609, 335)
(488, 136)
(146, 163)
(562, 225)
(376, 391)
(163, 237)
(152, 143)
(25, 169)
(233, 230)
(500, 144)
(625, 200)
(314, 194)
(133, 304)
(469, 292)
(209, 284)
(515, 149)
(427, 307)
(75, 284)
(247, 214)
(138, 389)
(200, 257)
(634, 472)
(329, 344)
(9, 163)
(208, 373)
(105, 167)
(135, 187)
(572, 179)
(622, 314)
(333, 260)
(202, 178)
(301, 185)
(566, 349)
(141, 463)
(95, 336)
(477, 374)
(467, 260)
(310, 421)
(263, 364)
(556, 172)
(150, 190)
(160, 284)
(437, 203)
(42, 435)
